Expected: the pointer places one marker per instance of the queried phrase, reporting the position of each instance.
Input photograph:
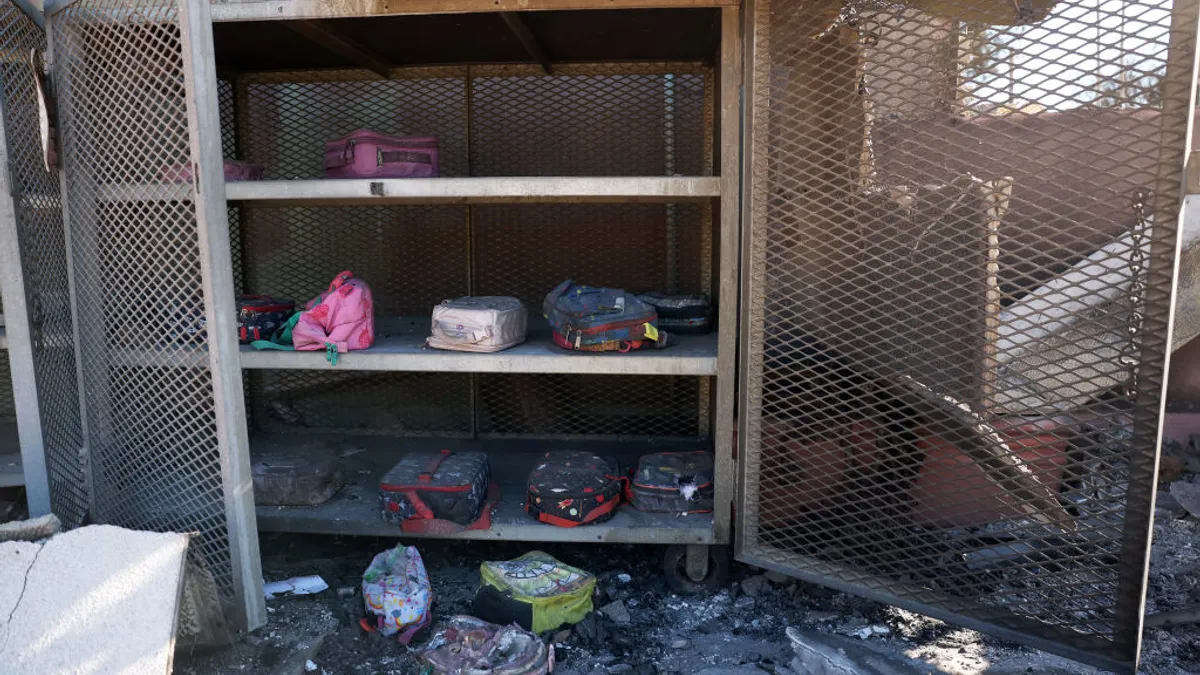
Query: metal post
(730, 97)
(216, 265)
(100, 399)
(753, 191)
(18, 323)
(1179, 99)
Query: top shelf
(503, 190)
(274, 10)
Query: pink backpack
(339, 320)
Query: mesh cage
(151, 419)
(43, 253)
(613, 119)
(960, 253)
(8, 409)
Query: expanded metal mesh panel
(524, 250)
(151, 422)
(442, 404)
(227, 116)
(226, 111)
(390, 404)
(592, 405)
(8, 410)
(584, 120)
(38, 210)
(591, 120)
(290, 116)
(412, 256)
(961, 246)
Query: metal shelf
(401, 348)
(354, 510)
(503, 190)
(273, 10)
(506, 190)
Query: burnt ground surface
(737, 629)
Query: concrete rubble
(99, 600)
(666, 634)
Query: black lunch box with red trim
(681, 313)
(673, 482)
(259, 316)
(444, 485)
(569, 488)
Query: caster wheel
(675, 570)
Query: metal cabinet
(940, 239)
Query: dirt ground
(739, 629)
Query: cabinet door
(37, 342)
(956, 297)
(149, 244)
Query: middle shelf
(475, 190)
(399, 346)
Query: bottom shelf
(12, 474)
(354, 510)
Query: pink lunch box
(234, 171)
(368, 154)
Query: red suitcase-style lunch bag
(437, 491)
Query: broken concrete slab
(32, 529)
(201, 621)
(98, 599)
(15, 560)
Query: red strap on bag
(426, 476)
(339, 280)
(598, 512)
(430, 525)
(419, 506)
(559, 521)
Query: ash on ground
(738, 629)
